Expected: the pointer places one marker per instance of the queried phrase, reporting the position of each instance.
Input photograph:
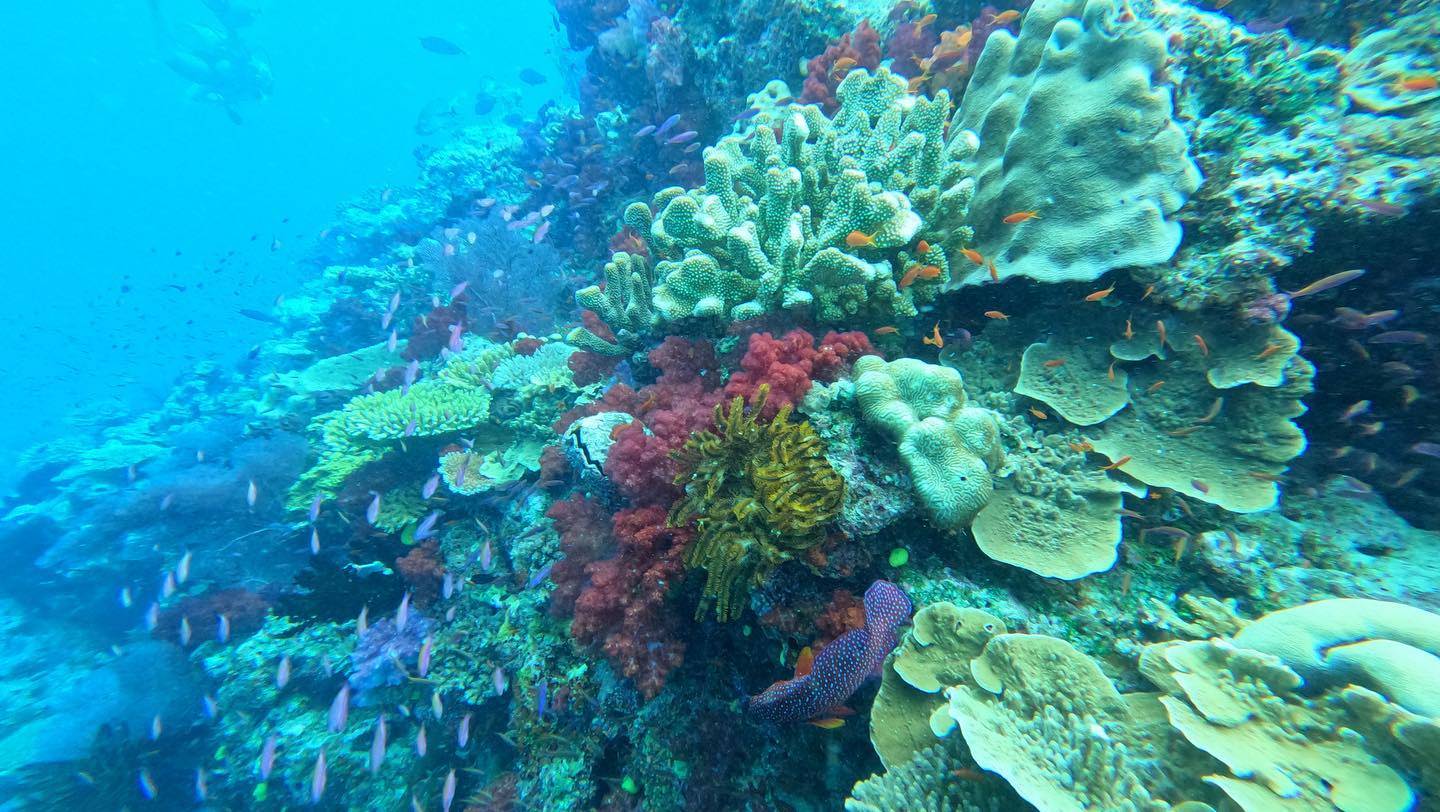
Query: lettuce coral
(758, 495)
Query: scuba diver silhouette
(220, 66)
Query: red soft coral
(430, 333)
(791, 363)
(861, 48)
(624, 607)
(584, 529)
(422, 570)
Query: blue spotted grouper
(841, 667)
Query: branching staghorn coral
(758, 494)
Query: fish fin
(827, 723)
(804, 662)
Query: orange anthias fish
(1101, 294)
(973, 255)
(1160, 328)
(887, 330)
(1019, 217)
(842, 66)
(996, 314)
(859, 239)
(934, 338)
(1417, 83)
(1149, 289)
(1200, 342)
(1270, 349)
(1006, 17)
(1129, 331)
(994, 274)
(1116, 464)
(1055, 362)
(918, 272)
(1039, 414)
(924, 21)
(922, 247)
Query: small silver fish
(222, 628)
(340, 709)
(402, 614)
(318, 778)
(267, 757)
(377, 745)
(282, 672)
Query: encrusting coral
(758, 494)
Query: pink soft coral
(789, 365)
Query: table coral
(1073, 124)
(758, 494)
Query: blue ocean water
(680, 404)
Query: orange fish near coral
(887, 330)
(918, 272)
(924, 21)
(1039, 414)
(1116, 464)
(1417, 83)
(842, 66)
(1019, 217)
(997, 315)
(1006, 17)
(1200, 342)
(934, 338)
(1270, 349)
(922, 247)
(1154, 387)
(994, 274)
(973, 255)
(1149, 289)
(1129, 331)
(1101, 294)
(1160, 328)
(1055, 362)
(859, 239)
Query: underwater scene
(721, 405)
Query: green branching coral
(428, 409)
(758, 493)
(771, 228)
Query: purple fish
(487, 557)
(542, 698)
(1426, 449)
(459, 289)
(843, 666)
(667, 124)
(422, 666)
(541, 232)
(747, 114)
(431, 485)
(402, 615)
(427, 526)
(421, 743)
(315, 507)
(282, 672)
(267, 757)
(462, 736)
(681, 138)
(377, 746)
(644, 131)
(373, 511)
(1399, 337)
(447, 586)
(501, 682)
(457, 338)
(222, 628)
(318, 777)
(340, 709)
(412, 371)
(447, 797)
(539, 576)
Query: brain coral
(1073, 124)
(949, 448)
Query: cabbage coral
(758, 495)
